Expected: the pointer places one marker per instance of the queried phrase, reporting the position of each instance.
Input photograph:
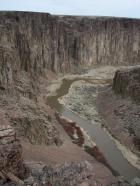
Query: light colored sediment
(53, 87)
(131, 157)
(82, 102)
(104, 72)
(88, 141)
(74, 99)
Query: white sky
(119, 8)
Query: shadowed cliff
(127, 83)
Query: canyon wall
(33, 42)
(127, 83)
(104, 40)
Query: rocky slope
(119, 106)
(127, 84)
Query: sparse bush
(78, 131)
(94, 151)
(68, 126)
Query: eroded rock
(127, 83)
(12, 166)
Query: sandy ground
(81, 100)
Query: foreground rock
(12, 166)
(13, 170)
(80, 174)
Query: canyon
(37, 48)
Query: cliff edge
(127, 83)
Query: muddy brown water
(106, 145)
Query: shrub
(94, 151)
(78, 131)
(80, 142)
(68, 126)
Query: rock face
(33, 41)
(30, 120)
(11, 161)
(22, 62)
(68, 174)
(127, 83)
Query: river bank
(103, 72)
(81, 100)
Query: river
(106, 145)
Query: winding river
(98, 135)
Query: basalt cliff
(127, 83)
(121, 109)
(31, 42)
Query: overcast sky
(119, 8)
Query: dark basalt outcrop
(127, 83)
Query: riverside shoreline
(76, 97)
(92, 115)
